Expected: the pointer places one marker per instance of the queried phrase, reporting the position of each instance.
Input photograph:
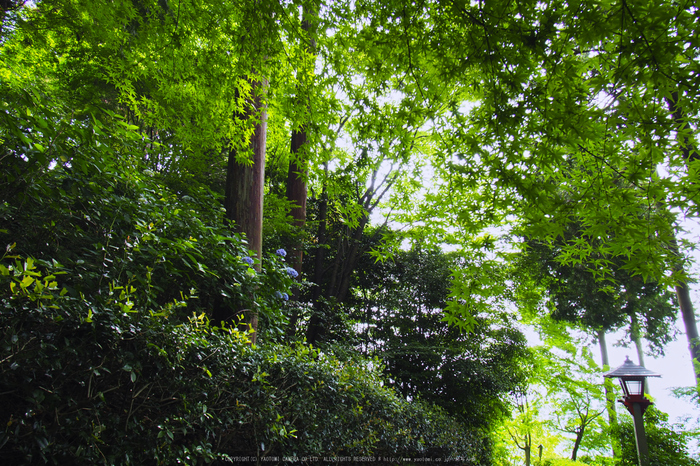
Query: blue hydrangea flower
(281, 252)
(292, 273)
(248, 260)
(285, 296)
(282, 296)
(278, 294)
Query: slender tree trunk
(298, 172)
(297, 193)
(577, 444)
(528, 450)
(637, 338)
(245, 187)
(691, 327)
(609, 392)
(316, 323)
(687, 313)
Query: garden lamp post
(632, 378)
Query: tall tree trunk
(298, 172)
(687, 313)
(297, 193)
(245, 186)
(689, 150)
(609, 392)
(299, 162)
(527, 448)
(528, 454)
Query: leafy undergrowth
(142, 388)
(109, 354)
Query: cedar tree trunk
(245, 187)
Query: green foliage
(119, 387)
(560, 406)
(109, 357)
(119, 229)
(399, 305)
(558, 462)
(557, 89)
(576, 396)
(591, 297)
(113, 115)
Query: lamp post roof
(630, 369)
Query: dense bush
(139, 388)
(119, 233)
(111, 352)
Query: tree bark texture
(245, 186)
(577, 444)
(315, 328)
(297, 193)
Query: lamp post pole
(632, 379)
(640, 435)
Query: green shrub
(112, 352)
(115, 387)
(110, 229)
